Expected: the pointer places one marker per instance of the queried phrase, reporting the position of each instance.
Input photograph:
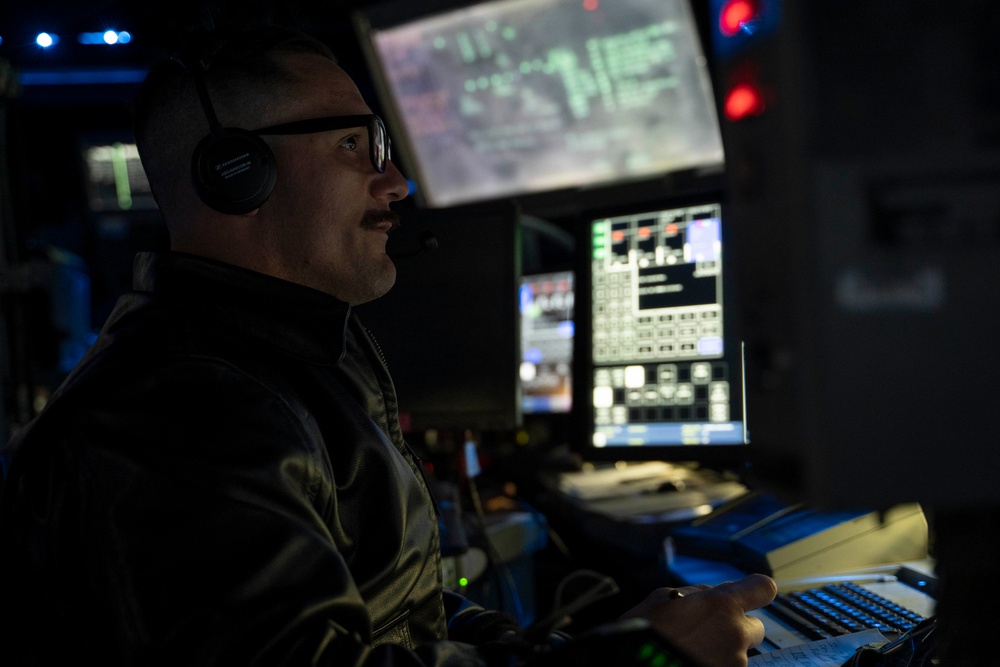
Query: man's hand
(710, 623)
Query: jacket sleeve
(199, 543)
(468, 622)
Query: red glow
(618, 236)
(742, 101)
(645, 232)
(671, 229)
(734, 14)
(591, 5)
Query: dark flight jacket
(223, 480)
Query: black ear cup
(233, 171)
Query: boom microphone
(427, 243)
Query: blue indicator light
(45, 40)
(106, 38)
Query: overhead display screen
(515, 97)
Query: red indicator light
(618, 236)
(742, 101)
(645, 232)
(590, 5)
(734, 14)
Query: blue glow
(751, 26)
(106, 38)
(412, 185)
(565, 328)
(525, 297)
(45, 40)
(766, 20)
(64, 77)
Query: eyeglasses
(379, 146)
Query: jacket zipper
(418, 462)
(378, 348)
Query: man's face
(328, 218)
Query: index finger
(753, 592)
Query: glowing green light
(463, 582)
(119, 167)
(646, 651)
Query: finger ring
(674, 594)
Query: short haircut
(243, 72)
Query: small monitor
(122, 215)
(665, 367)
(510, 98)
(115, 178)
(546, 302)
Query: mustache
(373, 218)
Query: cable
(493, 555)
(913, 645)
(604, 587)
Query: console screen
(664, 372)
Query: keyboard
(839, 609)
(891, 600)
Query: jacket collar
(301, 321)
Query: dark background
(46, 122)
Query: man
(223, 479)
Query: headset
(232, 170)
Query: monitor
(115, 178)
(122, 215)
(546, 303)
(663, 365)
(509, 98)
(449, 327)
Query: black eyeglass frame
(379, 144)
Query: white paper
(821, 653)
